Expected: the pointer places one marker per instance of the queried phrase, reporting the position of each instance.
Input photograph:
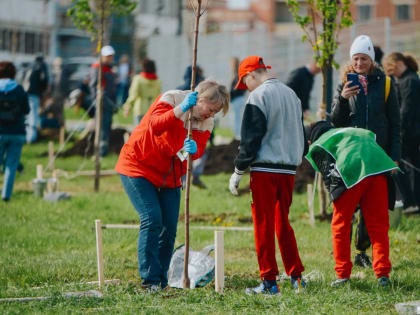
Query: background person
(144, 89)
(367, 108)
(151, 165)
(35, 84)
(109, 86)
(123, 79)
(237, 98)
(404, 69)
(301, 80)
(272, 145)
(14, 105)
(353, 167)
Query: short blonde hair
(214, 92)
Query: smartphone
(354, 79)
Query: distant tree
(322, 24)
(92, 16)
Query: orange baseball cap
(246, 66)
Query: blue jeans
(32, 119)
(10, 152)
(158, 209)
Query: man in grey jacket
(272, 145)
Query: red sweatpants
(272, 196)
(372, 195)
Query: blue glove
(190, 146)
(189, 101)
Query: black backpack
(10, 109)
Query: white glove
(234, 181)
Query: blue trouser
(32, 119)
(158, 209)
(10, 151)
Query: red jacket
(151, 150)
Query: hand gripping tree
(92, 16)
(322, 25)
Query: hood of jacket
(7, 85)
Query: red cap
(246, 66)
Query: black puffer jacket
(372, 113)
(301, 81)
(409, 92)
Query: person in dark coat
(109, 85)
(14, 106)
(35, 83)
(367, 108)
(404, 69)
(301, 81)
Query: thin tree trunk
(186, 280)
(99, 102)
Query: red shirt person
(152, 162)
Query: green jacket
(356, 153)
(142, 94)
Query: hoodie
(9, 89)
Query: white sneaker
(339, 282)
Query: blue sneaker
(297, 283)
(266, 287)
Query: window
(282, 13)
(403, 12)
(365, 13)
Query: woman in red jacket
(151, 164)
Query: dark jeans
(158, 209)
(105, 132)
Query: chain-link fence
(283, 52)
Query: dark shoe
(197, 182)
(384, 282)
(6, 199)
(20, 167)
(297, 283)
(362, 260)
(266, 287)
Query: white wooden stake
(99, 253)
(310, 195)
(39, 171)
(220, 261)
(51, 154)
(62, 136)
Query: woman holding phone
(364, 102)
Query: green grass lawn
(52, 245)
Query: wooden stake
(186, 279)
(51, 155)
(62, 136)
(311, 195)
(99, 253)
(219, 261)
(39, 171)
(322, 196)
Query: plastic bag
(200, 267)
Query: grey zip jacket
(272, 133)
